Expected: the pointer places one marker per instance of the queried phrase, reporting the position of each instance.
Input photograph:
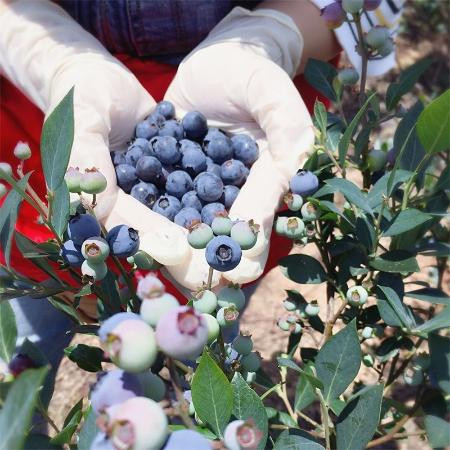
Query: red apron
(21, 120)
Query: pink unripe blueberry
(293, 201)
(93, 181)
(243, 344)
(352, 6)
(231, 295)
(153, 308)
(251, 362)
(245, 234)
(182, 333)
(376, 160)
(97, 271)
(333, 14)
(357, 295)
(241, 435)
(199, 235)
(213, 327)
(371, 5)
(377, 36)
(22, 150)
(131, 345)
(205, 302)
(95, 250)
(227, 316)
(137, 424)
(5, 169)
(294, 228)
(3, 190)
(73, 178)
(150, 286)
(348, 76)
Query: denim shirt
(165, 30)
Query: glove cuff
(268, 33)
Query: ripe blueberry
(171, 128)
(212, 167)
(156, 118)
(82, 227)
(146, 129)
(95, 249)
(245, 149)
(133, 155)
(210, 211)
(93, 181)
(126, 177)
(233, 172)
(230, 194)
(187, 217)
(208, 186)
(19, 363)
(146, 193)
(245, 234)
(22, 151)
(182, 333)
(166, 149)
(223, 253)
(166, 109)
(199, 235)
(357, 295)
(168, 206)
(72, 254)
(193, 161)
(195, 126)
(178, 183)
(305, 183)
(231, 295)
(149, 169)
(218, 148)
(97, 271)
(191, 200)
(221, 225)
(123, 241)
(153, 308)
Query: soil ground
(421, 37)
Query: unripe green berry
(96, 271)
(312, 309)
(93, 181)
(413, 377)
(153, 308)
(250, 377)
(293, 201)
(3, 190)
(199, 235)
(357, 295)
(309, 211)
(280, 225)
(295, 328)
(295, 228)
(251, 362)
(348, 76)
(245, 234)
(231, 295)
(290, 305)
(387, 48)
(352, 6)
(221, 225)
(243, 344)
(376, 37)
(95, 250)
(22, 151)
(213, 327)
(227, 316)
(283, 324)
(368, 360)
(5, 169)
(73, 179)
(205, 302)
(367, 332)
(376, 160)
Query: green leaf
(56, 142)
(351, 192)
(320, 114)
(433, 126)
(110, 298)
(441, 320)
(67, 309)
(358, 421)
(304, 391)
(248, 405)
(8, 217)
(365, 232)
(15, 416)
(348, 133)
(88, 430)
(405, 83)
(438, 431)
(338, 361)
(86, 357)
(380, 189)
(8, 331)
(70, 425)
(395, 261)
(390, 306)
(39, 442)
(60, 209)
(302, 269)
(212, 394)
(320, 75)
(286, 362)
(296, 440)
(405, 221)
(430, 295)
(440, 360)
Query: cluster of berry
(183, 170)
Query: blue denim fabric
(162, 29)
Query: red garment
(20, 120)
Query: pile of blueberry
(184, 170)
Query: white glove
(45, 52)
(239, 78)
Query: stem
(308, 419)
(391, 435)
(410, 183)
(94, 201)
(183, 407)
(223, 354)
(282, 393)
(210, 276)
(364, 60)
(325, 418)
(329, 325)
(44, 414)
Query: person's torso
(163, 29)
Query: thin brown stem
(210, 276)
(391, 435)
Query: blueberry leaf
(296, 440)
(8, 331)
(302, 269)
(320, 75)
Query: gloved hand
(45, 52)
(239, 78)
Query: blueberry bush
(181, 376)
